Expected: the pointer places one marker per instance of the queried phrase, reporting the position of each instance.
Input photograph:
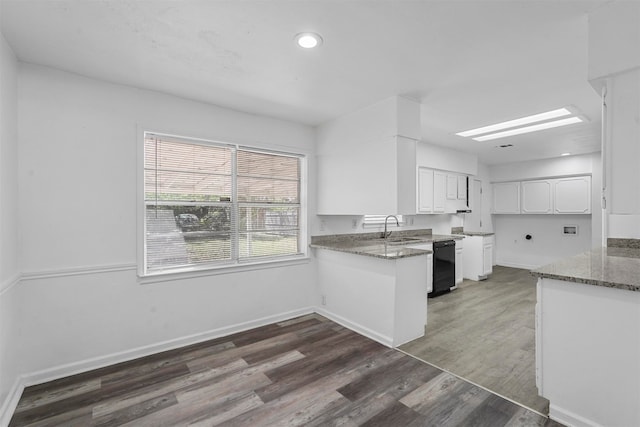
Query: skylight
(517, 126)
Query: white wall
(9, 223)
(548, 243)
(616, 24)
(82, 304)
(546, 168)
(436, 157)
(359, 155)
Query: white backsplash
(343, 224)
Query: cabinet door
(452, 187)
(429, 273)
(425, 190)
(439, 191)
(537, 197)
(506, 198)
(459, 277)
(487, 258)
(462, 187)
(573, 195)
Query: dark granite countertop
(371, 244)
(611, 267)
(476, 233)
(460, 231)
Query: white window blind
(209, 204)
(379, 220)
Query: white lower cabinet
(430, 273)
(459, 267)
(426, 247)
(487, 256)
(477, 257)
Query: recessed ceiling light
(517, 122)
(532, 128)
(565, 154)
(308, 40)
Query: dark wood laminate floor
(307, 371)
(485, 332)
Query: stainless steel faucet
(385, 234)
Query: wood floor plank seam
(485, 332)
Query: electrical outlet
(324, 300)
(354, 223)
(322, 225)
(411, 221)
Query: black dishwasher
(444, 267)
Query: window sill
(195, 272)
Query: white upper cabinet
(439, 191)
(506, 198)
(425, 190)
(537, 197)
(452, 187)
(573, 195)
(462, 187)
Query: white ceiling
(470, 63)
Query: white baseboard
(62, 371)
(362, 330)
(11, 402)
(570, 419)
(517, 265)
(57, 372)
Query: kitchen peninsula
(377, 287)
(588, 336)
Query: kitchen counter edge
(617, 268)
(377, 249)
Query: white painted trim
(77, 271)
(382, 339)
(11, 402)
(226, 269)
(10, 283)
(81, 366)
(568, 418)
(517, 265)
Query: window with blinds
(210, 204)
